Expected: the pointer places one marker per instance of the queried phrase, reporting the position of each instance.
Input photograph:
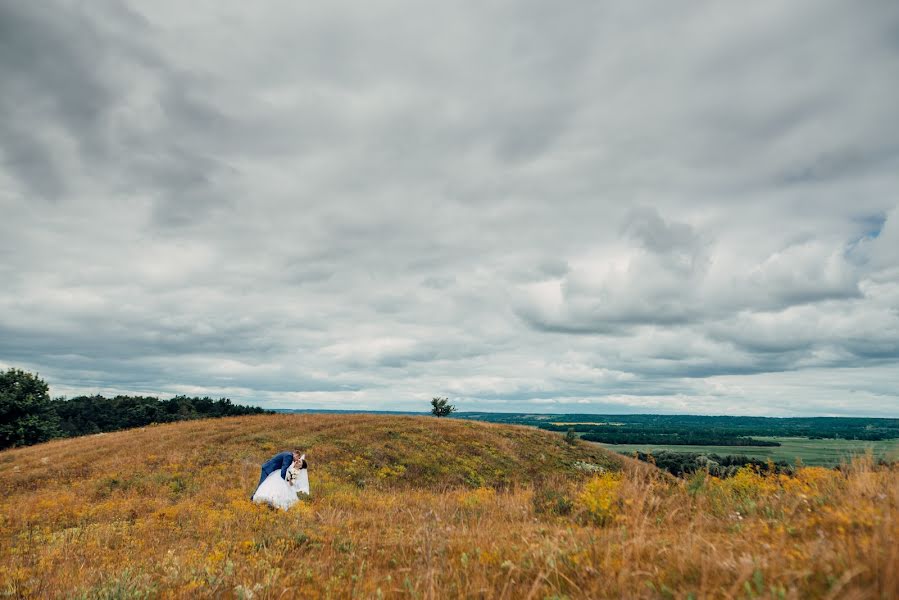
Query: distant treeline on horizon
(29, 416)
(690, 430)
(676, 430)
(95, 414)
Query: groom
(279, 461)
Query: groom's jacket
(279, 461)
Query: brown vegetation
(419, 507)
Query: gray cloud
(606, 207)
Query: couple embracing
(283, 477)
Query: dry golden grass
(416, 507)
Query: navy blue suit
(278, 461)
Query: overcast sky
(524, 206)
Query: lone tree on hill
(441, 407)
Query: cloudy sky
(525, 206)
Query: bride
(298, 477)
(282, 493)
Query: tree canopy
(440, 407)
(26, 411)
(29, 416)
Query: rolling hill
(407, 506)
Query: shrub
(549, 501)
(600, 497)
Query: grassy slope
(415, 507)
(386, 451)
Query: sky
(609, 207)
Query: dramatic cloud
(602, 206)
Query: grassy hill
(420, 507)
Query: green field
(826, 452)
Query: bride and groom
(283, 477)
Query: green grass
(825, 453)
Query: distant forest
(94, 414)
(29, 416)
(690, 430)
(689, 438)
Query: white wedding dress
(282, 493)
(298, 480)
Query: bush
(600, 497)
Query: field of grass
(415, 507)
(825, 452)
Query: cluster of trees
(94, 414)
(29, 416)
(26, 412)
(682, 464)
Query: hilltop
(420, 507)
(364, 450)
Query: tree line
(688, 438)
(850, 428)
(29, 416)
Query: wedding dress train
(275, 491)
(282, 493)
